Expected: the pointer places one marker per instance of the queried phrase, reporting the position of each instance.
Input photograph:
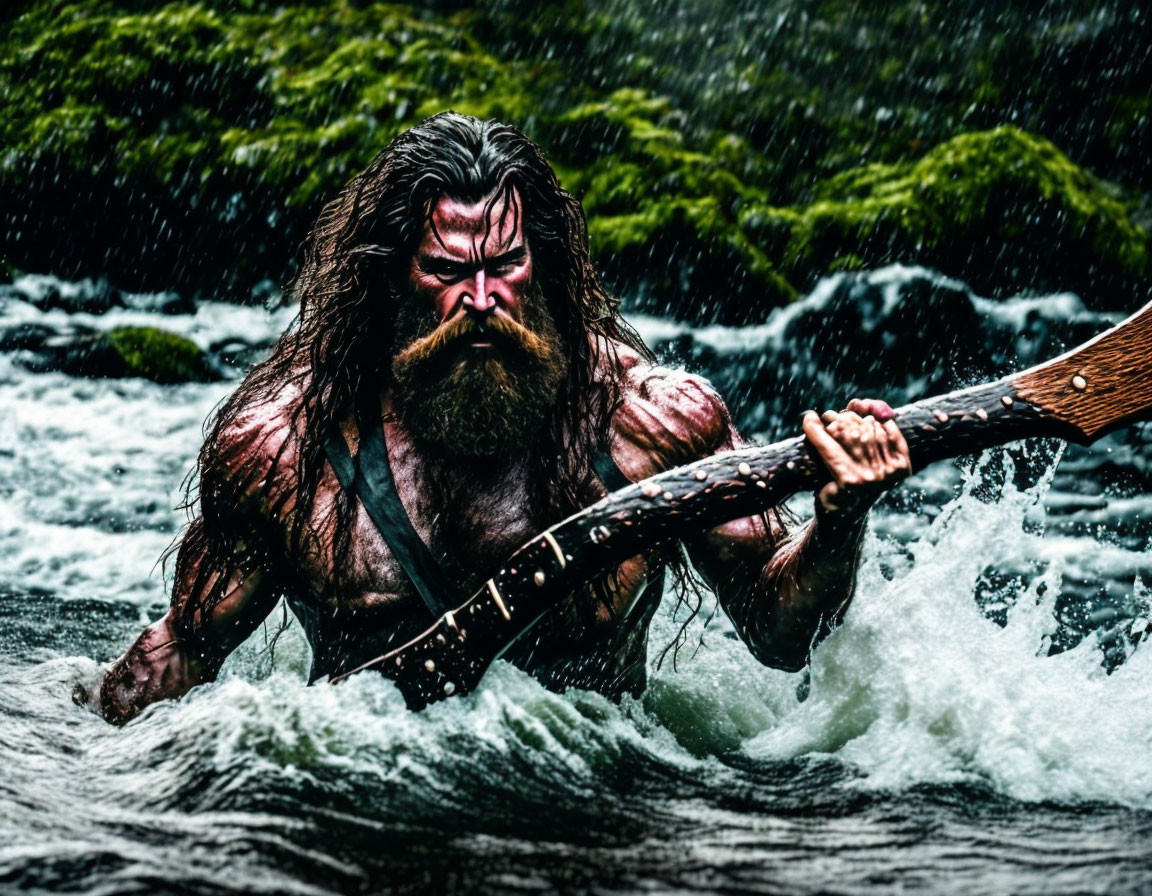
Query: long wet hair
(351, 281)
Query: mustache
(502, 332)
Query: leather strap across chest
(369, 477)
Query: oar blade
(1099, 386)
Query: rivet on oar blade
(1079, 383)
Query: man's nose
(477, 298)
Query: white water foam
(918, 686)
(91, 470)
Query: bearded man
(458, 379)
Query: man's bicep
(225, 585)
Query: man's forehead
(490, 224)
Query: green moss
(193, 144)
(663, 204)
(156, 355)
(1003, 210)
(688, 258)
(847, 262)
(208, 135)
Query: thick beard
(469, 402)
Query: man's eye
(505, 267)
(445, 273)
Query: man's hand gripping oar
(1079, 397)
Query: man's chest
(463, 531)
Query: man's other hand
(864, 451)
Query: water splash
(920, 686)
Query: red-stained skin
(779, 591)
(459, 270)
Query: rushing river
(981, 722)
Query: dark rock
(25, 337)
(898, 334)
(239, 354)
(86, 296)
(96, 297)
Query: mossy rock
(1003, 210)
(204, 137)
(159, 355)
(146, 352)
(820, 86)
(688, 259)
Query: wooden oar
(1079, 396)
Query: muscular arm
(781, 591)
(226, 575)
(188, 645)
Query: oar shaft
(972, 420)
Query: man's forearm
(804, 589)
(159, 666)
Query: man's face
(472, 264)
(477, 360)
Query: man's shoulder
(257, 443)
(667, 417)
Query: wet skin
(779, 590)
